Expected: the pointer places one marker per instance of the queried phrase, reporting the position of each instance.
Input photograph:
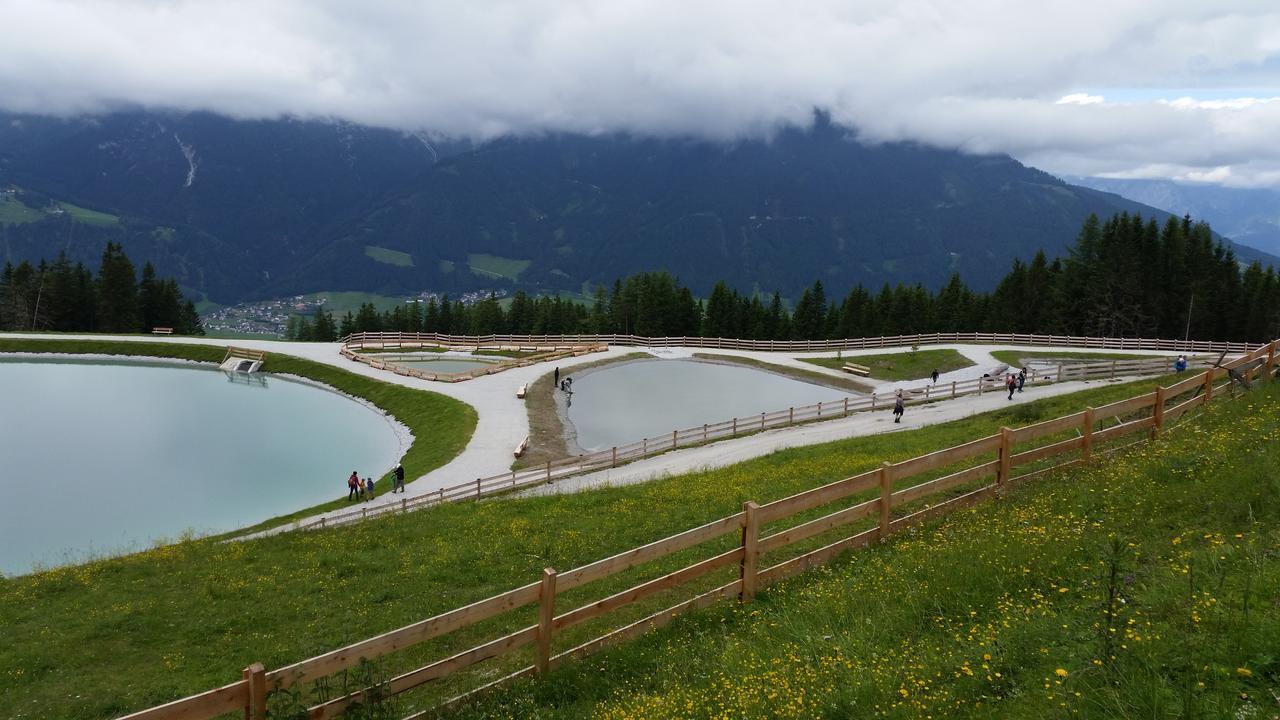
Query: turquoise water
(623, 403)
(442, 364)
(104, 457)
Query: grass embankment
(900, 366)
(1016, 357)
(1145, 586)
(546, 429)
(834, 381)
(117, 635)
(441, 425)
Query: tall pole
(1190, 305)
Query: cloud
(1030, 79)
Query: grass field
(441, 426)
(842, 383)
(498, 267)
(184, 618)
(89, 217)
(1014, 357)
(1143, 587)
(13, 211)
(388, 257)
(900, 366)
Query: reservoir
(623, 403)
(102, 457)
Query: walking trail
(503, 421)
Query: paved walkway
(503, 420)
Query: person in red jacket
(353, 486)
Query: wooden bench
(857, 369)
(520, 393)
(161, 331)
(524, 445)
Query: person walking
(352, 483)
(1022, 378)
(557, 376)
(398, 484)
(368, 486)
(935, 376)
(899, 407)
(1011, 385)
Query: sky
(1178, 89)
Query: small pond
(623, 403)
(442, 362)
(102, 457)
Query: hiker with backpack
(899, 407)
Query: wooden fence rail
(552, 471)
(379, 341)
(994, 458)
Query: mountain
(1249, 216)
(248, 209)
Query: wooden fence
(555, 470)
(376, 341)
(952, 478)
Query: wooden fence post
(704, 432)
(1086, 433)
(886, 498)
(1157, 413)
(477, 488)
(546, 618)
(762, 421)
(735, 427)
(614, 462)
(1271, 358)
(1113, 368)
(548, 471)
(791, 416)
(846, 406)
(953, 389)
(673, 439)
(1208, 385)
(256, 676)
(1006, 450)
(750, 551)
(644, 447)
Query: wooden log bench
(162, 331)
(857, 369)
(524, 445)
(521, 391)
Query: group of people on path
(566, 384)
(358, 489)
(1013, 383)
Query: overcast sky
(1184, 89)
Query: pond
(102, 457)
(442, 363)
(623, 403)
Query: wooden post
(1271, 358)
(873, 401)
(735, 427)
(819, 409)
(1113, 368)
(886, 498)
(791, 416)
(762, 421)
(614, 463)
(1006, 450)
(546, 618)
(1208, 385)
(477, 488)
(846, 406)
(750, 551)
(256, 676)
(1157, 414)
(953, 389)
(1086, 433)
(926, 391)
(673, 439)
(644, 447)
(548, 471)
(441, 495)
(513, 478)
(404, 505)
(704, 432)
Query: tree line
(1123, 277)
(67, 297)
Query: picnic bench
(161, 331)
(857, 369)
